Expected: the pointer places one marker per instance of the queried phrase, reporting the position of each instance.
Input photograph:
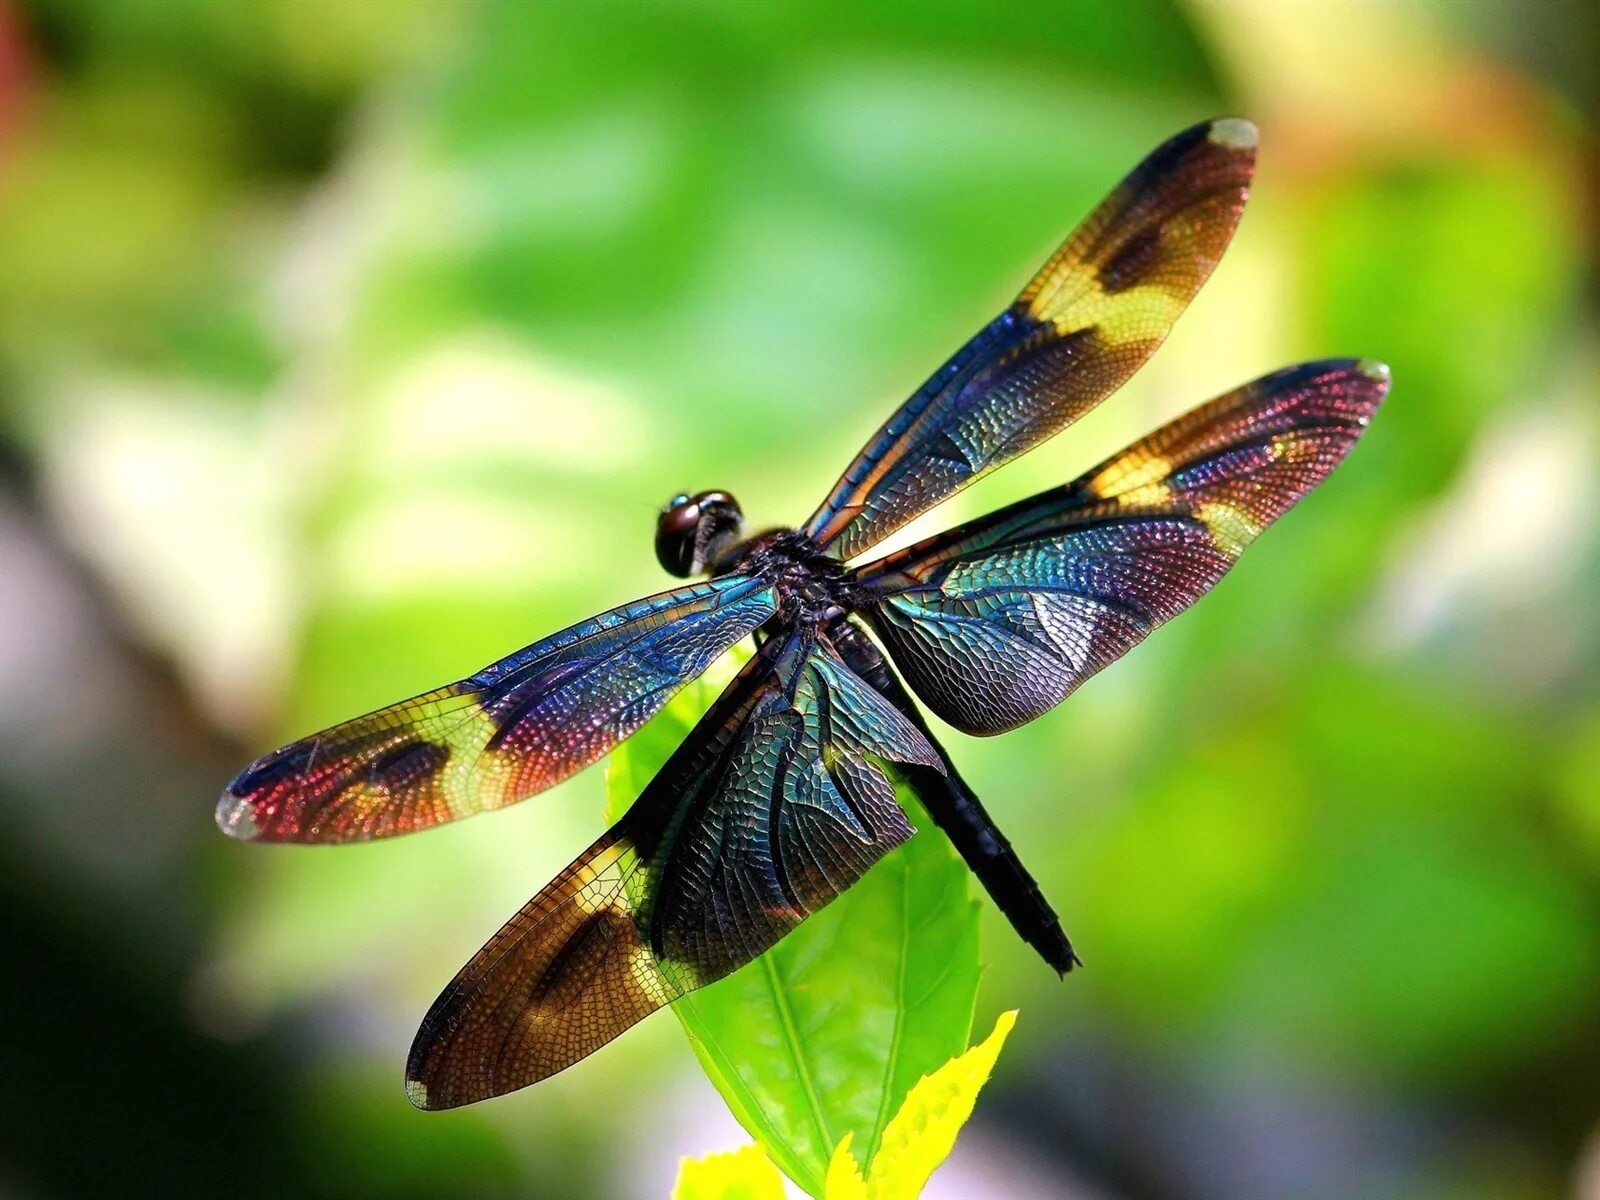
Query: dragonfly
(784, 793)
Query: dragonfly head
(692, 529)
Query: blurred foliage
(345, 347)
(824, 1035)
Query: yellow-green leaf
(744, 1174)
(923, 1132)
(844, 1174)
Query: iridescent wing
(996, 622)
(1091, 317)
(515, 728)
(776, 802)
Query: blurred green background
(348, 344)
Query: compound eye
(719, 500)
(675, 536)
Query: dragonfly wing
(775, 804)
(998, 621)
(515, 728)
(1090, 318)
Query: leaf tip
(845, 1181)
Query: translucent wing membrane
(996, 622)
(776, 803)
(1099, 308)
(513, 729)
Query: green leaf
(924, 1131)
(825, 1034)
(744, 1174)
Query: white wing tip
(1234, 133)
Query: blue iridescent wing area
(775, 804)
(1090, 318)
(998, 621)
(515, 728)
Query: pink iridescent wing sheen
(1090, 318)
(998, 621)
(515, 728)
(778, 800)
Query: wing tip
(236, 817)
(417, 1093)
(1365, 380)
(1376, 371)
(1234, 133)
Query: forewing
(1090, 318)
(998, 621)
(515, 728)
(776, 803)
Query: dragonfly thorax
(808, 583)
